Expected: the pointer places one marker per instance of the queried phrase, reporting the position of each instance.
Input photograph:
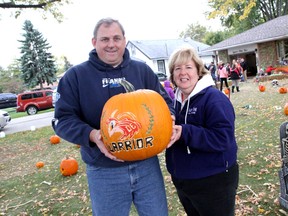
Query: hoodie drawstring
(186, 113)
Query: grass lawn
(14, 114)
(26, 190)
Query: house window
(286, 49)
(161, 66)
(283, 51)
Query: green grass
(14, 114)
(26, 190)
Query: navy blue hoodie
(207, 145)
(82, 93)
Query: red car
(33, 101)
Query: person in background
(212, 69)
(223, 74)
(240, 69)
(244, 66)
(235, 75)
(169, 89)
(84, 89)
(228, 67)
(270, 69)
(203, 159)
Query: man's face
(110, 44)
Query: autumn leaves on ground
(28, 190)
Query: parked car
(33, 101)
(161, 76)
(8, 100)
(54, 97)
(4, 119)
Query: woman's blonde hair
(182, 56)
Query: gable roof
(275, 29)
(162, 49)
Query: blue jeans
(112, 190)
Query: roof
(162, 49)
(275, 29)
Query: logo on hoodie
(192, 110)
(111, 82)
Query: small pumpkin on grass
(68, 166)
(54, 139)
(40, 164)
(286, 109)
(227, 91)
(137, 124)
(282, 90)
(261, 88)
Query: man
(243, 64)
(212, 69)
(83, 91)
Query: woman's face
(186, 76)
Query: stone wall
(267, 53)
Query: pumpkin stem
(127, 86)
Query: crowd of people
(236, 72)
(201, 156)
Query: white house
(156, 53)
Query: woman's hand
(95, 137)
(176, 133)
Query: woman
(203, 160)
(223, 74)
(235, 75)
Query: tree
(62, 64)
(243, 14)
(10, 80)
(212, 38)
(37, 64)
(48, 7)
(202, 34)
(67, 64)
(195, 32)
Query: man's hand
(95, 137)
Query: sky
(142, 20)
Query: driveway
(28, 122)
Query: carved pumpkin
(286, 109)
(54, 139)
(39, 164)
(136, 125)
(262, 88)
(68, 166)
(282, 90)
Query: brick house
(261, 46)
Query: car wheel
(31, 110)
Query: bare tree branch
(13, 5)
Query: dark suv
(7, 100)
(33, 101)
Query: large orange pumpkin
(282, 90)
(68, 166)
(54, 139)
(286, 109)
(136, 125)
(262, 88)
